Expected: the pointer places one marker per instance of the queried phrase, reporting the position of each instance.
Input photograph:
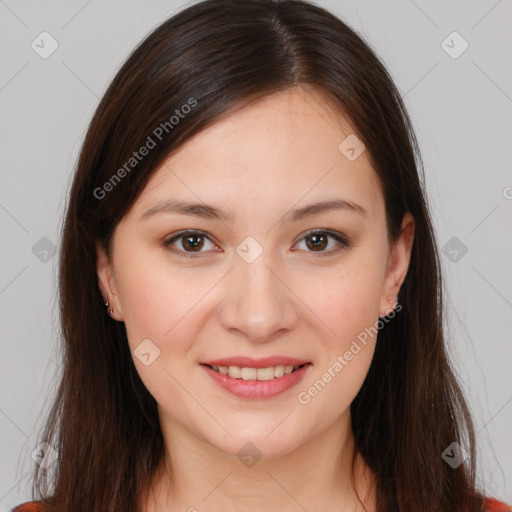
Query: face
(262, 274)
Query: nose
(257, 302)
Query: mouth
(251, 373)
(256, 383)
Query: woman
(249, 284)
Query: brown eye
(188, 243)
(194, 242)
(318, 241)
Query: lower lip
(257, 388)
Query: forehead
(284, 147)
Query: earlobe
(400, 256)
(106, 282)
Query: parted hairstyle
(216, 56)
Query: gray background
(460, 108)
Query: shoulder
(29, 506)
(492, 505)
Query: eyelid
(342, 240)
(181, 234)
(326, 231)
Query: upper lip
(249, 362)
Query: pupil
(316, 242)
(192, 244)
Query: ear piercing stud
(111, 311)
(394, 304)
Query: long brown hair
(216, 56)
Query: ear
(398, 264)
(107, 283)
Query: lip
(249, 362)
(256, 389)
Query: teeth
(235, 372)
(246, 373)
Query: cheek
(348, 305)
(158, 301)
(163, 316)
(345, 298)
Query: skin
(296, 300)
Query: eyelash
(343, 242)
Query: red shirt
(492, 505)
(496, 506)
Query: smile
(256, 383)
(248, 373)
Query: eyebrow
(206, 211)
